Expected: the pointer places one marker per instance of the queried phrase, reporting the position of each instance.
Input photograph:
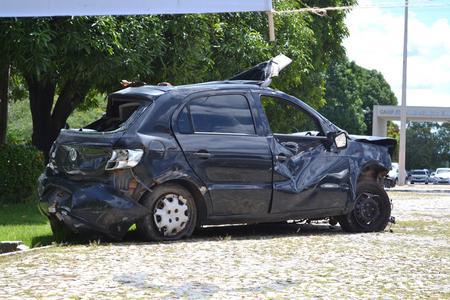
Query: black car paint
(234, 178)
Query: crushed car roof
(256, 77)
(150, 92)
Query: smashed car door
(217, 135)
(309, 173)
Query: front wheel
(372, 209)
(173, 214)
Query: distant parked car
(391, 178)
(420, 176)
(442, 175)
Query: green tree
(63, 60)
(344, 104)
(5, 62)
(427, 145)
(351, 93)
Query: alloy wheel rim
(171, 214)
(367, 209)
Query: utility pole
(402, 160)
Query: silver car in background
(419, 176)
(442, 175)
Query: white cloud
(376, 42)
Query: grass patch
(23, 222)
(423, 228)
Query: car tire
(173, 214)
(372, 209)
(60, 231)
(412, 182)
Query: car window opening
(119, 113)
(286, 118)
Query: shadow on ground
(249, 232)
(43, 240)
(243, 232)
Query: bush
(20, 166)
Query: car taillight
(124, 159)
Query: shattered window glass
(287, 118)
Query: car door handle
(203, 154)
(281, 157)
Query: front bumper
(441, 180)
(419, 179)
(88, 206)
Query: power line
(323, 10)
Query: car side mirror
(339, 139)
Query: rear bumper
(88, 206)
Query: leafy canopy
(351, 93)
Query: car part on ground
(391, 178)
(170, 159)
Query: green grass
(23, 222)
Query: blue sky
(376, 42)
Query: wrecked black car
(172, 159)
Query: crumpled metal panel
(320, 176)
(312, 178)
(94, 206)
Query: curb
(27, 251)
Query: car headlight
(124, 158)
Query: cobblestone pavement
(257, 262)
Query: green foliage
(66, 59)
(82, 117)
(351, 93)
(20, 125)
(17, 88)
(286, 118)
(19, 122)
(23, 222)
(20, 166)
(394, 132)
(427, 145)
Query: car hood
(443, 175)
(390, 143)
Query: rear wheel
(371, 212)
(173, 214)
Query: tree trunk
(41, 93)
(4, 79)
(71, 95)
(47, 124)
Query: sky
(376, 42)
